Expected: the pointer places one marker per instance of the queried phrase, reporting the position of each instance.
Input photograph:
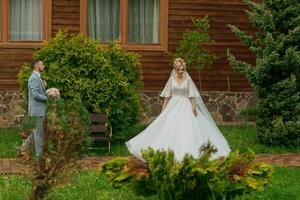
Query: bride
(184, 124)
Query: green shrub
(192, 178)
(65, 134)
(249, 114)
(123, 171)
(106, 79)
(281, 133)
(28, 124)
(23, 77)
(275, 76)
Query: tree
(191, 48)
(275, 77)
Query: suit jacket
(37, 97)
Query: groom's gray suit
(37, 99)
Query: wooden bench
(100, 129)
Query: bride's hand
(194, 106)
(195, 112)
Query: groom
(37, 99)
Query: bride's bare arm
(194, 105)
(166, 100)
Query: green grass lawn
(84, 185)
(243, 137)
(93, 186)
(285, 186)
(239, 137)
(9, 142)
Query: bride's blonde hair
(179, 60)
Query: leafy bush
(249, 114)
(276, 74)
(192, 178)
(287, 133)
(65, 134)
(28, 124)
(106, 79)
(123, 171)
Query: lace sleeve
(167, 90)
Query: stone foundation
(11, 109)
(224, 106)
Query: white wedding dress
(177, 128)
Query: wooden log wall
(11, 59)
(65, 16)
(156, 64)
(220, 77)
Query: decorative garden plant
(191, 178)
(65, 131)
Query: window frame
(163, 20)
(4, 40)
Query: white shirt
(37, 73)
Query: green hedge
(191, 178)
(106, 79)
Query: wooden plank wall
(156, 64)
(11, 60)
(221, 77)
(65, 16)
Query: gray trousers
(37, 137)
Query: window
(143, 21)
(25, 21)
(137, 24)
(104, 19)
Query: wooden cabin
(151, 28)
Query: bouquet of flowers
(53, 92)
